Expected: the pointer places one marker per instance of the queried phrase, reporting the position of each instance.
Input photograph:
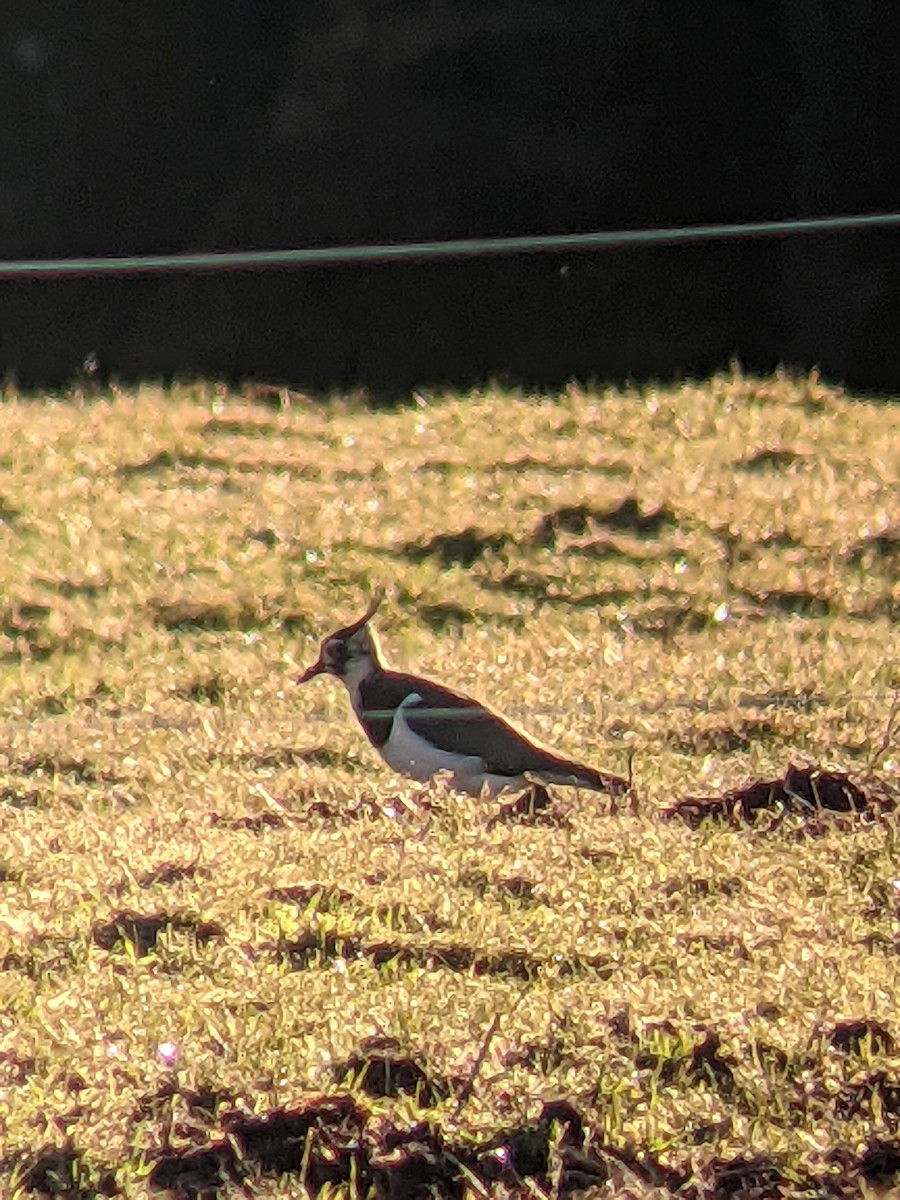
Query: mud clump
(807, 791)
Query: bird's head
(350, 654)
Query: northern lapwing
(422, 729)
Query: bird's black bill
(311, 672)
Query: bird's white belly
(409, 754)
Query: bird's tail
(571, 774)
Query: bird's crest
(374, 605)
(354, 643)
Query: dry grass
(214, 897)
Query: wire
(327, 256)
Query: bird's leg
(533, 800)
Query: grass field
(238, 956)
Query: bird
(423, 729)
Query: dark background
(133, 127)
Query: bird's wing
(458, 724)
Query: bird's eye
(336, 653)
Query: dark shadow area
(773, 459)
(327, 897)
(381, 1068)
(298, 126)
(337, 1141)
(169, 873)
(704, 1063)
(449, 549)
(861, 1037)
(313, 947)
(626, 517)
(795, 602)
(76, 770)
(141, 931)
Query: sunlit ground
(214, 895)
